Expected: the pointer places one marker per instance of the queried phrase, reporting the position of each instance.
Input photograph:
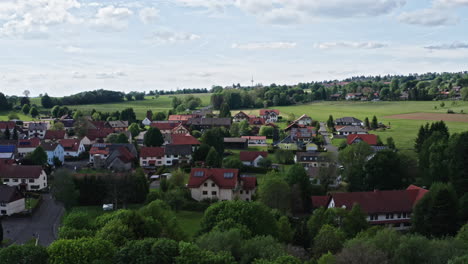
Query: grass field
(403, 131)
(190, 222)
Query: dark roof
(165, 125)
(235, 140)
(152, 152)
(19, 171)
(370, 139)
(181, 139)
(93, 134)
(7, 148)
(178, 149)
(208, 121)
(29, 143)
(320, 201)
(37, 126)
(347, 119)
(118, 124)
(309, 156)
(54, 134)
(252, 155)
(268, 111)
(70, 144)
(351, 129)
(9, 194)
(49, 146)
(248, 182)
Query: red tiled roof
(126, 155)
(180, 139)
(256, 121)
(252, 155)
(70, 144)
(320, 201)
(266, 111)
(93, 134)
(54, 134)
(99, 124)
(381, 201)
(180, 117)
(216, 175)
(164, 125)
(248, 182)
(368, 138)
(18, 171)
(255, 137)
(5, 124)
(147, 152)
(29, 143)
(99, 150)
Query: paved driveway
(326, 136)
(42, 224)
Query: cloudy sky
(66, 46)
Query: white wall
(14, 207)
(41, 182)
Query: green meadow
(403, 131)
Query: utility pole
(252, 81)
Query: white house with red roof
(256, 141)
(370, 139)
(26, 146)
(221, 184)
(241, 116)
(29, 178)
(386, 208)
(152, 156)
(252, 158)
(72, 147)
(165, 127)
(270, 115)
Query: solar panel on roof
(228, 175)
(199, 173)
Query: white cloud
(149, 15)
(350, 45)
(448, 46)
(110, 75)
(168, 36)
(72, 49)
(111, 17)
(264, 45)
(78, 75)
(22, 17)
(428, 17)
(451, 3)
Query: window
(3, 204)
(3, 212)
(241, 192)
(404, 215)
(205, 184)
(205, 192)
(247, 192)
(213, 184)
(15, 180)
(389, 216)
(35, 187)
(399, 215)
(31, 180)
(213, 193)
(6, 180)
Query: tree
(7, 134)
(360, 253)
(80, 126)
(33, 112)
(329, 239)
(353, 158)
(128, 115)
(4, 104)
(215, 138)
(153, 138)
(22, 254)
(134, 129)
(232, 163)
(46, 101)
(366, 123)
(261, 247)
(331, 123)
(1, 231)
(178, 178)
(159, 116)
(464, 93)
(266, 131)
(244, 128)
(13, 116)
(37, 157)
(458, 167)
(26, 108)
(265, 163)
(219, 240)
(25, 101)
(327, 258)
(386, 171)
(391, 143)
(297, 178)
(256, 217)
(190, 253)
(15, 133)
(225, 110)
(58, 126)
(354, 221)
(375, 123)
(122, 138)
(285, 232)
(64, 189)
(275, 192)
(201, 153)
(234, 130)
(213, 159)
(84, 250)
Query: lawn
(403, 131)
(190, 221)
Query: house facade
(177, 154)
(241, 116)
(152, 157)
(370, 139)
(349, 130)
(256, 141)
(54, 150)
(270, 115)
(11, 200)
(26, 146)
(72, 147)
(37, 130)
(348, 121)
(29, 178)
(220, 184)
(252, 158)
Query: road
(43, 224)
(326, 135)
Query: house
(270, 115)
(349, 130)
(165, 127)
(37, 130)
(103, 151)
(152, 156)
(288, 144)
(301, 122)
(7, 151)
(97, 135)
(335, 97)
(72, 147)
(141, 138)
(11, 200)
(148, 119)
(178, 154)
(54, 150)
(353, 96)
(67, 121)
(252, 158)
(370, 139)
(10, 125)
(302, 134)
(311, 159)
(204, 112)
(180, 129)
(256, 141)
(26, 146)
(201, 123)
(185, 139)
(121, 159)
(235, 143)
(348, 121)
(28, 178)
(220, 184)
(241, 116)
(54, 135)
(118, 125)
(384, 208)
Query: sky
(61, 47)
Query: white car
(107, 207)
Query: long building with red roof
(220, 184)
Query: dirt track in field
(432, 116)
